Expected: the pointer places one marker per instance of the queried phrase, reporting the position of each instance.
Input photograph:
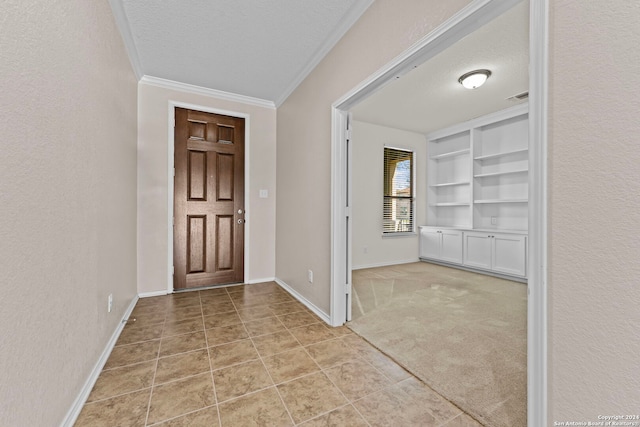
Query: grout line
(153, 380)
(182, 415)
(213, 381)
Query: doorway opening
(476, 15)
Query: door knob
(239, 211)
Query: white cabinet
(441, 244)
(499, 252)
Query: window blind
(398, 200)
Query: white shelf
(451, 154)
(497, 155)
(484, 175)
(451, 204)
(449, 184)
(485, 201)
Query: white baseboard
(385, 264)
(76, 408)
(153, 294)
(321, 314)
(266, 279)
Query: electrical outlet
(310, 276)
(494, 220)
(110, 303)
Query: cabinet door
(429, 243)
(510, 254)
(477, 250)
(451, 246)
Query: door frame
(170, 165)
(467, 20)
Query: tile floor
(253, 356)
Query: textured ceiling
(430, 98)
(256, 48)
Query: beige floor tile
(222, 319)
(207, 417)
(393, 407)
(341, 417)
(290, 365)
(268, 325)
(181, 397)
(133, 333)
(213, 291)
(357, 379)
(310, 396)
(238, 380)
(387, 366)
(192, 299)
(182, 365)
(146, 317)
(226, 334)
(287, 307)
(268, 345)
(233, 353)
(263, 408)
(212, 308)
(297, 319)
(180, 327)
(132, 353)
(182, 343)
(255, 313)
(129, 410)
(331, 353)
(123, 380)
(441, 409)
(312, 334)
(183, 313)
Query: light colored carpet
(463, 334)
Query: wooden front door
(208, 231)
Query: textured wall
(594, 217)
(304, 135)
(153, 184)
(367, 175)
(67, 200)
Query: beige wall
(368, 144)
(153, 183)
(594, 209)
(594, 190)
(67, 200)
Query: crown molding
(125, 32)
(341, 29)
(199, 90)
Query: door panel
(509, 254)
(477, 250)
(429, 243)
(451, 246)
(208, 196)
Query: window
(398, 191)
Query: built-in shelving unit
(477, 175)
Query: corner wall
(304, 135)
(370, 249)
(67, 200)
(153, 184)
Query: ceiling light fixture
(474, 79)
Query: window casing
(398, 194)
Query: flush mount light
(474, 79)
